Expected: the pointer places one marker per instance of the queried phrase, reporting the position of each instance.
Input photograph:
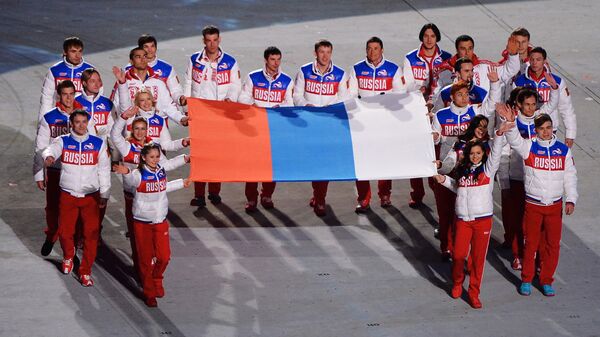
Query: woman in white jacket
(474, 209)
(150, 208)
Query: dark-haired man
(84, 189)
(161, 68)
(266, 87)
(372, 76)
(70, 68)
(54, 123)
(211, 74)
(534, 77)
(463, 69)
(320, 83)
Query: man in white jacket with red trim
(215, 75)
(85, 188)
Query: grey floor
(285, 272)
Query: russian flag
(380, 137)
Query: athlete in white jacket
(151, 229)
(85, 188)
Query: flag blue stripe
(311, 143)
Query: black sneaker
(198, 201)
(215, 199)
(47, 248)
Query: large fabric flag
(381, 137)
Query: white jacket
(85, 164)
(101, 111)
(474, 198)
(549, 169)
(54, 124)
(157, 130)
(453, 121)
(266, 91)
(124, 97)
(367, 79)
(312, 87)
(212, 80)
(150, 203)
(57, 73)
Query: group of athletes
(490, 121)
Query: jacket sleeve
(298, 95)
(54, 149)
(246, 93)
(510, 68)
(187, 80)
(398, 85)
(174, 86)
(517, 143)
(566, 111)
(493, 161)
(42, 140)
(343, 93)
(116, 136)
(488, 106)
(133, 178)
(174, 185)
(570, 179)
(449, 162)
(122, 99)
(236, 83)
(167, 105)
(104, 171)
(450, 184)
(409, 78)
(48, 92)
(353, 84)
(289, 99)
(173, 163)
(167, 144)
(436, 127)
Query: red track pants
(363, 188)
(152, 242)
(200, 188)
(52, 203)
(70, 209)
(542, 227)
(252, 190)
(320, 191)
(445, 201)
(475, 235)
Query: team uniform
(151, 229)
(422, 71)
(549, 173)
(123, 94)
(565, 106)
(218, 81)
(130, 150)
(366, 80)
(84, 179)
(474, 210)
(320, 89)
(100, 109)
(54, 124)
(265, 91)
(482, 67)
(450, 123)
(57, 73)
(443, 99)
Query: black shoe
(47, 248)
(198, 201)
(215, 199)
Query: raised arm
(488, 105)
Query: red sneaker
(475, 302)
(386, 201)
(151, 302)
(250, 207)
(516, 264)
(320, 210)
(67, 266)
(362, 207)
(86, 280)
(267, 202)
(414, 204)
